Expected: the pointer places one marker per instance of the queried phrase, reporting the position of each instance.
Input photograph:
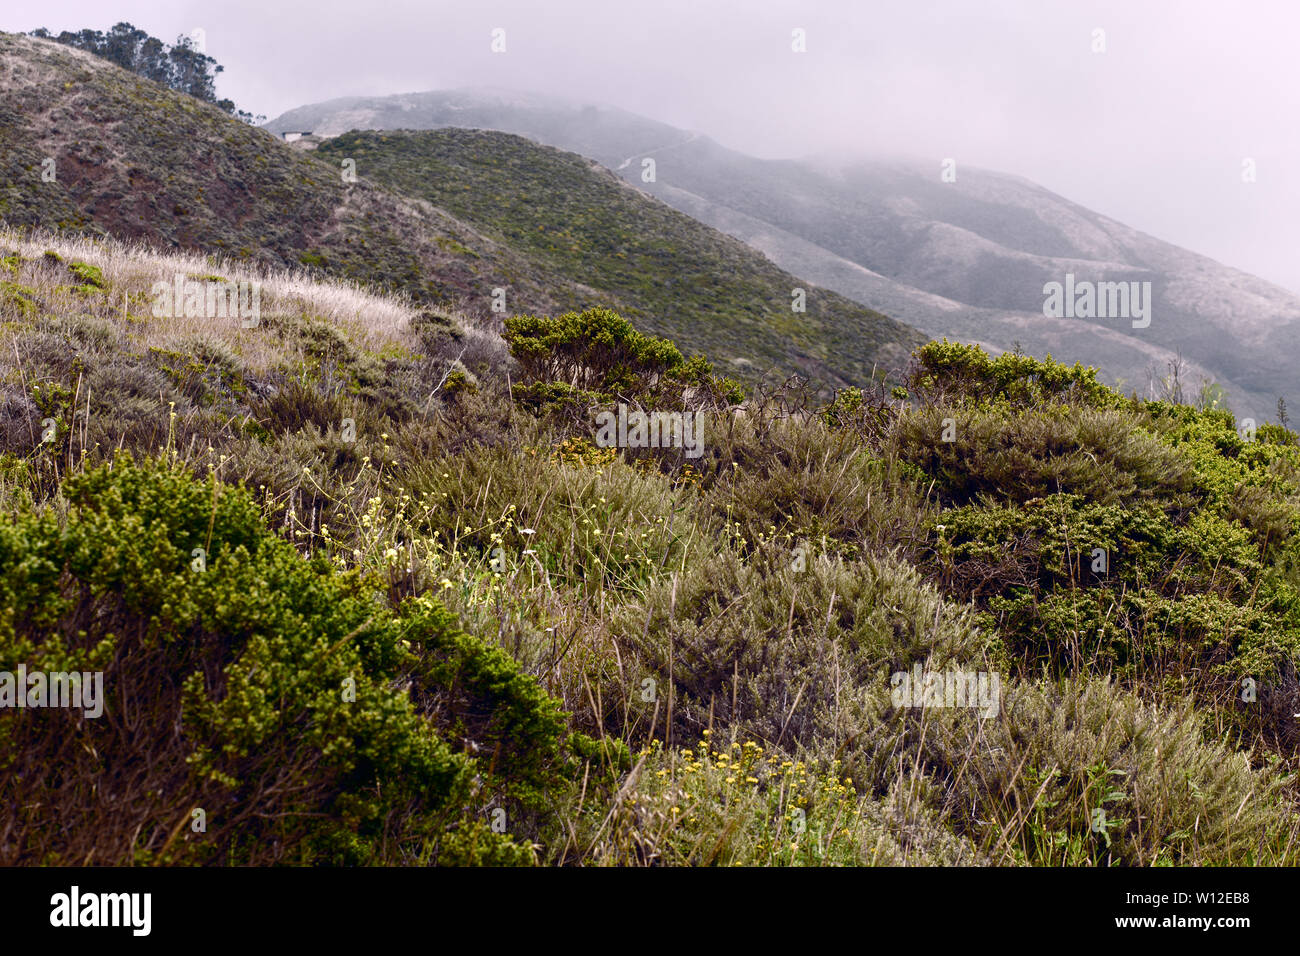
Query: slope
(137, 161)
(966, 259)
(664, 270)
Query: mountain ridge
(142, 162)
(894, 218)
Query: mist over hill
(140, 161)
(966, 259)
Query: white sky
(1152, 132)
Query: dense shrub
(743, 805)
(265, 690)
(597, 350)
(1029, 786)
(944, 372)
(803, 480)
(1020, 454)
(405, 628)
(786, 647)
(598, 354)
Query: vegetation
(366, 210)
(437, 623)
(661, 269)
(296, 744)
(183, 67)
(366, 586)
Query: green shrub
(1014, 454)
(597, 350)
(742, 805)
(946, 372)
(243, 680)
(87, 274)
(598, 353)
(800, 480)
(786, 648)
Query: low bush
(258, 707)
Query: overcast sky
(1152, 132)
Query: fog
(1153, 131)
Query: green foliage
(803, 482)
(596, 350)
(87, 274)
(459, 381)
(16, 300)
(1019, 454)
(481, 695)
(264, 688)
(943, 370)
(819, 634)
(556, 399)
(1195, 588)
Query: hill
(138, 161)
(297, 571)
(967, 259)
(666, 272)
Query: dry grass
(371, 320)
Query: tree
(180, 67)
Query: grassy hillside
(138, 161)
(670, 274)
(966, 260)
(459, 631)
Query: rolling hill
(966, 259)
(141, 162)
(360, 584)
(667, 273)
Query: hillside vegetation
(183, 66)
(365, 589)
(965, 259)
(665, 271)
(138, 161)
